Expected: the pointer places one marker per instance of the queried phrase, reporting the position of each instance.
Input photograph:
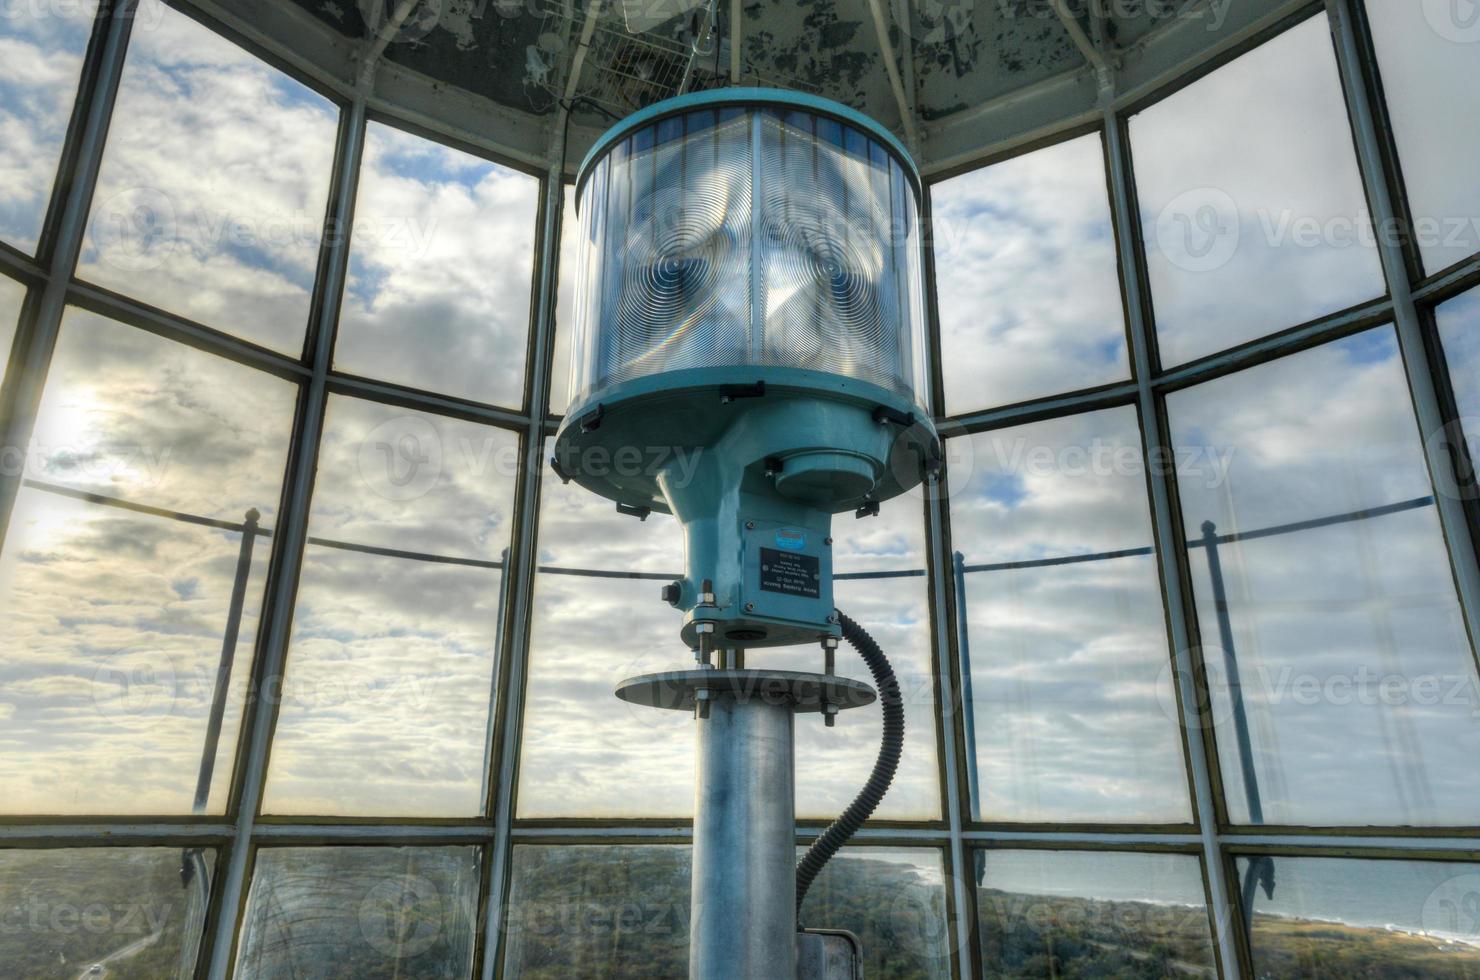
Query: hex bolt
(829, 714)
(701, 703)
(827, 541)
(750, 525)
(750, 607)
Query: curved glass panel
(12, 295)
(1348, 917)
(437, 295)
(621, 912)
(1070, 710)
(103, 913)
(1343, 686)
(41, 49)
(749, 236)
(132, 574)
(214, 184)
(379, 913)
(1092, 914)
(1429, 53)
(1252, 205)
(1026, 275)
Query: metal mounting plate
(805, 693)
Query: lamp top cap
(739, 96)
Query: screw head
(750, 607)
(827, 541)
(750, 525)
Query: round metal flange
(676, 689)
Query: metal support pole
(743, 918)
(968, 713)
(228, 658)
(1261, 869)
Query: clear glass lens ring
(750, 235)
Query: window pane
(1092, 914)
(1071, 695)
(41, 49)
(621, 912)
(1025, 271)
(389, 678)
(192, 213)
(1251, 201)
(137, 911)
(439, 275)
(1343, 917)
(114, 621)
(1459, 331)
(372, 913)
(583, 748)
(894, 900)
(1357, 695)
(565, 306)
(12, 295)
(1430, 67)
(609, 912)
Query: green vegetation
(1290, 948)
(62, 911)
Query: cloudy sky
(1026, 276)
(112, 621)
(1233, 174)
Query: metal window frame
(236, 834)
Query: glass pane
(372, 913)
(609, 912)
(894, 900)
(1341, 917)
(621, 912)
(1342, 680)
(115, 622)
(1251, 201)
(888, 595)
(192, 213)
(1070, 685)
(1459, 331)
(118, 913)
(1092, 914)
(390, 671)
(439, 271)
(12, 295)
(583, 749)
(41, 50)
(565, 305)
(1025, 271)
(1430, 66)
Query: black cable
(890, 748)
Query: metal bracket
(591, 421)
(641, 513)
(728, 393)
(884, 415)
(869, 509)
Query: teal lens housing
(749, 347)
